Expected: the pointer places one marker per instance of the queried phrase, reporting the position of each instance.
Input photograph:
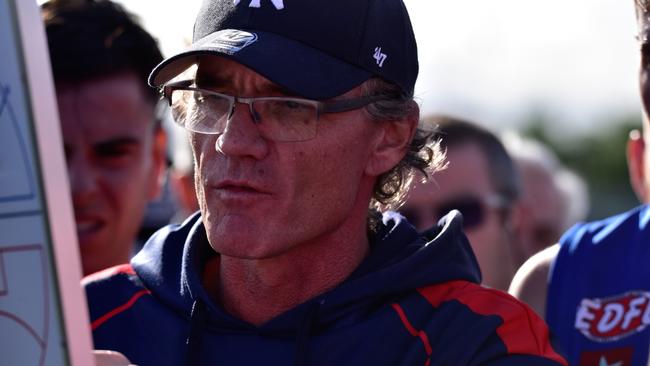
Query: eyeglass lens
(280, 119)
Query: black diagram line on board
(5, 291)
(6, 109)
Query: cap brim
(300, 69)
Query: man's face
(114, 160)
(466, 184)
(541, 211)
(638, 153)
(262, 198)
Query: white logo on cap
(379, 57)
(229, 41)
(279, 4)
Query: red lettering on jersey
(612, 318)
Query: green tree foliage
(598, 156)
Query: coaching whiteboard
(43, 315)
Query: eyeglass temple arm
(166, 90)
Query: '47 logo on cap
(279, 4)
(379, 57)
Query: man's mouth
(238, 190)
(87, 227)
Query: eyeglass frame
(322, 107)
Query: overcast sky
(493, 61)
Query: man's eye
(291, 104)
(294, 105)
(116, 149)
(113, 151)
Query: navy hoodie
(414, 300)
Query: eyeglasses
(278, 118)
(472, 208)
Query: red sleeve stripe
(522, 331)
(104, 318)
(108, 272)
(415, 333)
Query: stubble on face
(291, 181)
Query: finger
(110, 358)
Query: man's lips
(244, 186)
(88, 226)
(239, 189)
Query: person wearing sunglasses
(593, 287)
(482, 183)
(304, 132)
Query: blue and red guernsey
(599, 292)
(413, 301)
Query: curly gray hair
(424, 154)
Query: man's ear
(158, 162)
(394, 142)
(636, 165)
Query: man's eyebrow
(277, 89)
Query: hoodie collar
(400, 260)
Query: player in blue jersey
(594, 286)
(301, 120)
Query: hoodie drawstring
(304, 331)
(195, 337)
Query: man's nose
(242, 137)
(83, 179)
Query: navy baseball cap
(313, 48)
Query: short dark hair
(95, 38)
(501, 168)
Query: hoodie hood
(400, 260)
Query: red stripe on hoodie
(126, 268)
(522, 331)
(104, 318)
(414, 332)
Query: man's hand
(111, 358)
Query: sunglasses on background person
(473, 209)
